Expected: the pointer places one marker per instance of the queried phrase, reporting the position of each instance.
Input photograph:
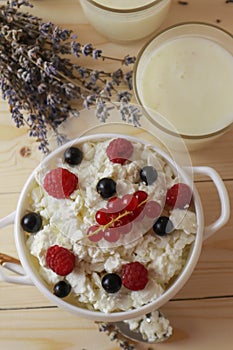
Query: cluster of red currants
(120, 214)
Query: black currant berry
(163, 226)
(31, 222)
(111, 282)
(148, 174)
(73, 156)
(106, 187)
(61, 289)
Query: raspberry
(119, 150)
(179, 196)
(134, 276)
(60, 260)
(60, 183)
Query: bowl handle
(223, 197)
(10, 263)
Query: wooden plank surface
(194, 325)
(202, 312)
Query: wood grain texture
(194, 323)
(202, 312)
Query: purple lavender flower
(87, 49)
(96, 54)
(117, 76)
(128, 60)
(75, 48)
(17, 117)
(42, 84)
(128, 79)
(89, 101)
(102, 110)
(49, 69)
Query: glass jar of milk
(125, 20)
(185, 75)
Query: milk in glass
(128, 20)
(189, 81)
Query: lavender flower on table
(115, 335)
(42, 81)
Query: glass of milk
(185, 75)
(125, 20)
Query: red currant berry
(138, 214)
(102, 217)
(124, 220)
(130, 202)
(123, 229)
(152, 209)
(112, 234)
(113, 216)
(95, 237)
(141, 196)
(115, 205)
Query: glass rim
(132, 10)
(144, 108)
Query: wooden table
(202, 312)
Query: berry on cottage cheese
(134, 276)
(119, 150)
(60, 260)
(148, 174)
(179, 196)
(106, 187)
(31, 222)
(60, 183)
(95, 233)
(163, 226)
(111, 282)
(73, 156)
(62, 289)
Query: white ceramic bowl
(28, 273)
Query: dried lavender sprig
(55, 35)
(115, 335)
(38, 80)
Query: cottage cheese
(66, 221)
(153, 327)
